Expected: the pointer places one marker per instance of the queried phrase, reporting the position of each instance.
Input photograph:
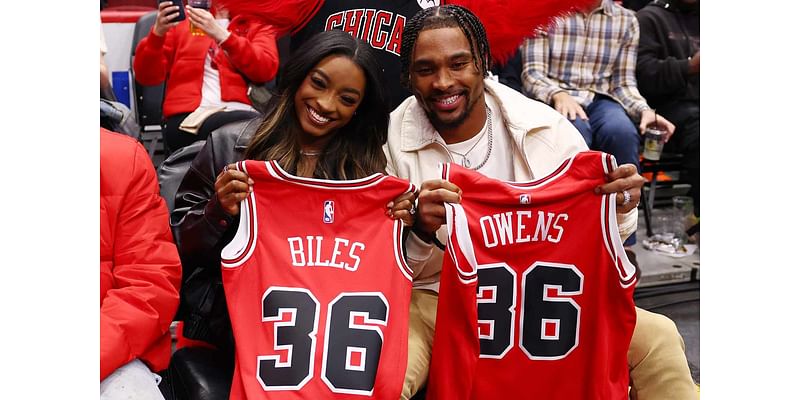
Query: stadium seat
(148, 99)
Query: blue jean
(609, 129)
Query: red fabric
(322, 253)
(140, 271)
(285, 15)
(537, 294)
(129, 14)
(179, 57)
(508, 22)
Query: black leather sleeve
(201, 229)
(199, 224)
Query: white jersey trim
(277, 172)
(610, 230)
(399, 252)
(243, 244)
(458, 232)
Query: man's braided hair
(446, 16)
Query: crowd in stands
(347, 105)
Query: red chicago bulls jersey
(317, 288)
(536, 298)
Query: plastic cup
(684, 208)
(653, 143)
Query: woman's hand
(206, 22)
(231, 187)
(164, 20)
(403, 208)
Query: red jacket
(140, 272)
(179, 58)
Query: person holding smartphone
(207, 73)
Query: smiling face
(327, 99)
(446, 81)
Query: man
(140, 272)
(584, 66)
(457, 115)
(668, 71)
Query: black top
(670, 34)
(379, 23)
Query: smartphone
(181, 13)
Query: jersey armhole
(459, 244)
(241, 247)
(399, 252)
(399, 248)
(608, 214)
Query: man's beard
(455, 123)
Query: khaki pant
(656, 358)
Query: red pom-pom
(285, 15)
(509, 22)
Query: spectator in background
(140, 272)
(206, 74)
(508, 72)
(668, 70)
(584, 66)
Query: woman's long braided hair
(446, 16)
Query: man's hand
(624, 179)
(568, 107)
(206, 22)
(166, 13)
(400, 208)
(231, 187)
(694, 64)
(430, 205)
(649, 117)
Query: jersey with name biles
(536, 295)
(317, 288)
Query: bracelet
(428, 238)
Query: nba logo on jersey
(327, 213)
(524, 199)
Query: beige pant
(656, 358)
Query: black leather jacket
(201, 229)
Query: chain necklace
(464, 160)
(310, 153)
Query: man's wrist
(429, 238)
(426, 237)
(223, 37)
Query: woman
(207, 74)
(328, 119)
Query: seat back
(148, 98)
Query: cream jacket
(542, 139)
